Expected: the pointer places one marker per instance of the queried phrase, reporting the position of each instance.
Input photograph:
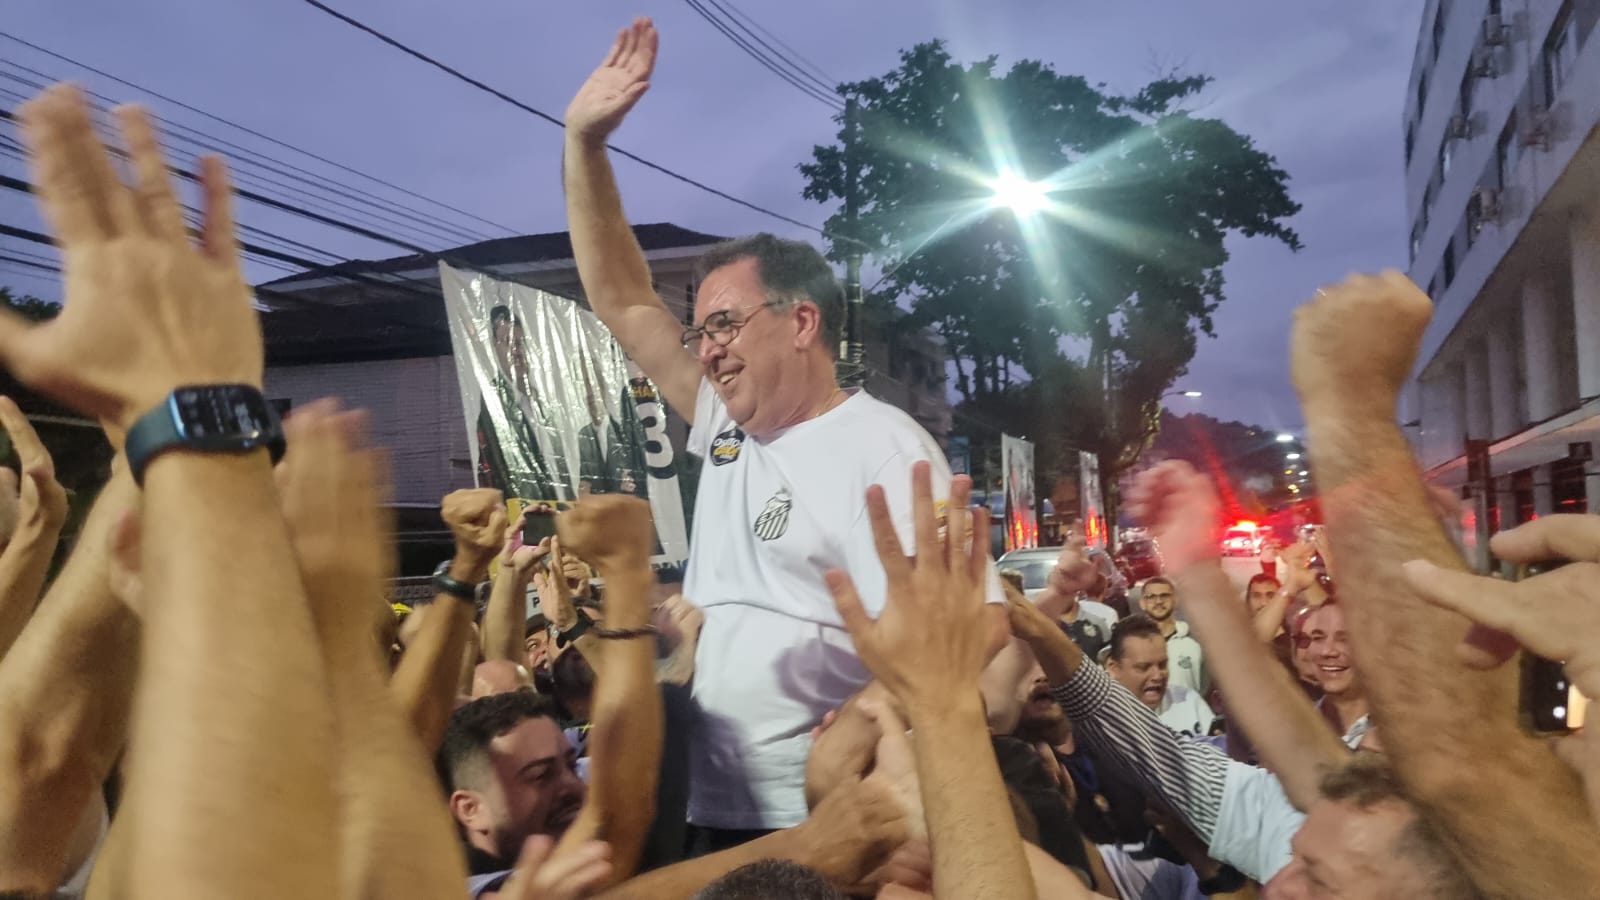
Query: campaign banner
(1091, 505)
(1022, 522)
(554, 409)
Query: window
(1416, 240)
(1411, 142)
(1464, 99)
(1444, 157)
(1494, 7)
(1560, 50)
(1449, 264)
(1505, 152)
(1422, 93)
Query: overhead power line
(795, 56)
(257, 134)
(501, 95)
(243, 160)
(767, 56)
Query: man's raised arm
(1512, 814)
(1181, 507)
(612, 267)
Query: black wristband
(578, 630)
(455, 587)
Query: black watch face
(228, 414)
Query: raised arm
(613, 531)
(41, 507)
(65, 692)
(505, 621)
(395, 838)
(1181, 507)
(929, 648)
(430, 672)
(228, 791)
(1513, 815)
(616, 278)
(1185, 775)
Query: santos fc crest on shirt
(774, 519)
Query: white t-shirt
(770, 517)
(1186, 712)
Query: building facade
(1503, 193)
(374, 335)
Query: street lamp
(1285, 438)
(1018, 194)
(1192, 395)
(1292, 456)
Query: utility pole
(851, 353)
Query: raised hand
(1554, 615)
(1354, 343)
(477, 518)
(613, 532)
(1074, 570)
(931, 640)
(41, 500)
(146, 309)
(604, 100)
(1181, 508)
(334, 492)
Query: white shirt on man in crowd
(771, 516)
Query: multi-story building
(374, 335)
(1503, 191)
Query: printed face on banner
(1022, 524)
(554, 409)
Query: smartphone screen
(536, 526)
(1550, 704)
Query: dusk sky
(1318, 83)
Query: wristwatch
(211, 418)
(455, 587)
(579, 628)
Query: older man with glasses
(788, 457)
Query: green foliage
(29, 306)
(1066, 326)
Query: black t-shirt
(1089, 633)
(1024, 772)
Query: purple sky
(1318, 83)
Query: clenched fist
(612, 532)
(477, 518)
(1355, 342)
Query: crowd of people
(839, 696)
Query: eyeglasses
(721, 327)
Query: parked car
(1139, 559)
(1035, 563)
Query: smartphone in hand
(1548, 702)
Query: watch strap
(455, 587)
(579, 628)
(158, 431)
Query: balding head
(499, 676)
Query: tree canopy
(1068, 324)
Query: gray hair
(791, 272)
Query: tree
(1067, 326)
(1247, 462)
(28, 306)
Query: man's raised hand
(932, 638)
(1555, 615)
(41, 500)
(477, 518)
(1180, 507)
(146, 309)
(604, 100)
(1354, 343)
(613, 532)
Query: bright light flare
(1193, 394)
(1285, 438)
(1018, 194)
(1292, 456)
